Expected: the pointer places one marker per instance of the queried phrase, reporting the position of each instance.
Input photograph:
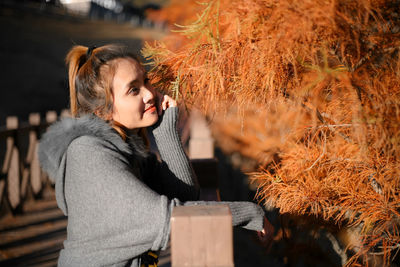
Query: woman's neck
(132, 131)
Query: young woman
(118, 197)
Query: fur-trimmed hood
(54, 143)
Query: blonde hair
(90, 75)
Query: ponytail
(74, 60)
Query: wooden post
(2, 190)
(202, 236)
(201, 153)
(20, 180)
(34, 120)
(51, 116)
(33, 158)
(201, 144)
(12, 165)
(65, 113)
(47, 192)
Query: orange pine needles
(311, 90)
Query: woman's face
(135, 103)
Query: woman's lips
(150, 109)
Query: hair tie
(89, 51)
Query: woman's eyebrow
(131, 83)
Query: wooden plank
(12, 165)
(65, 113)
(2, 190)
(33, 248)
(34, 119)
(4, 132)
(13, 223)
(51, 116)
(33, 159)
(40, 205)
(12, 238)
(202, 236)
(24, 183)
(201, 144)
(33, 238)
(23, 128)
(12, 122)
(47, 260)
(36, 171)
(47, 257)
(13, 179)
(7, 158)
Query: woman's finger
(168, 102)
(266, 234)
(164, 103)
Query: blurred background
(348, 46)
(36, 35)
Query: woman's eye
(134, 91)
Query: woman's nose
(148, 95)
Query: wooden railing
(21, 177)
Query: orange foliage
(174, 12)
(311, 90)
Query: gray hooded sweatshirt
(118, 197)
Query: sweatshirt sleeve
(175, 171)
(245, 214)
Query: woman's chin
(154, 118)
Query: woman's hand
(266, 235)
(164, 102)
